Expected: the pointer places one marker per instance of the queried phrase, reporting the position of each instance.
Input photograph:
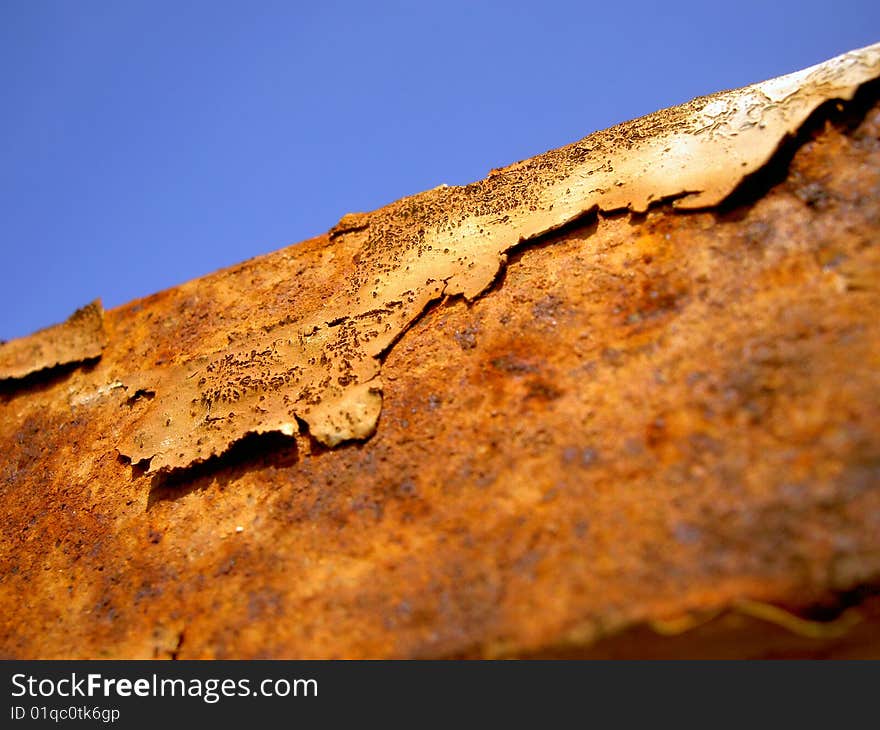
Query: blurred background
(143, 144)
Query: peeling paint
(81, 337)
(324, 368)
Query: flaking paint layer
(321, 365)
(81, 337)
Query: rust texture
(78, 339)
(649, 433)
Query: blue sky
(143, 144)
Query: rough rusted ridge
(81, 337)
(655, 435)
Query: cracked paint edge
(79, 338)
(322, 367)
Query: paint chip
(324, 368)
(81, 337)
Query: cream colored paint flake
(324, 369)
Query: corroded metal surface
(650, 429)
